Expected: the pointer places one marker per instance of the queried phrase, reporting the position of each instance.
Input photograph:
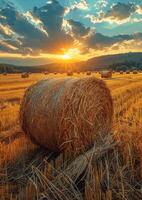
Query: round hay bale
(67, 113)
(25, 75)
(135, 72)
(69, 73)
(121, 72)
(4, 74)
(88, 73)
(106, 74)
(46, 73)
(127, 72)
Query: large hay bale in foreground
(67, 113)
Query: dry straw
(67, 113)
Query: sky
(42, 31)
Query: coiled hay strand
(67, 113)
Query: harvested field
(111, 169)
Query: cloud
(51, 16)
(4, 46)
(98, 40)
(82, 5)
(6, 31)
(46, 30)
(119, 13)
(78, 29)
(127, 46)
(58, 37)
(26, 32)
(98, 44)
(139, 9)
(35, 30)
(100, 4)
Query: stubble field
(27, 171)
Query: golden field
(27, 171)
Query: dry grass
(8, 115)
(111, 170)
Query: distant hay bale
(88, 73)
(106, 74)
(67, 113)
(135, 72)
(127, 72)
(121, 72)
(5, 74)
(69, 73)
(46, 73)
(25, 75)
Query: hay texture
(67, 113)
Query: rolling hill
(117, 62)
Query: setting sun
(71, 54)
(66, 57)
